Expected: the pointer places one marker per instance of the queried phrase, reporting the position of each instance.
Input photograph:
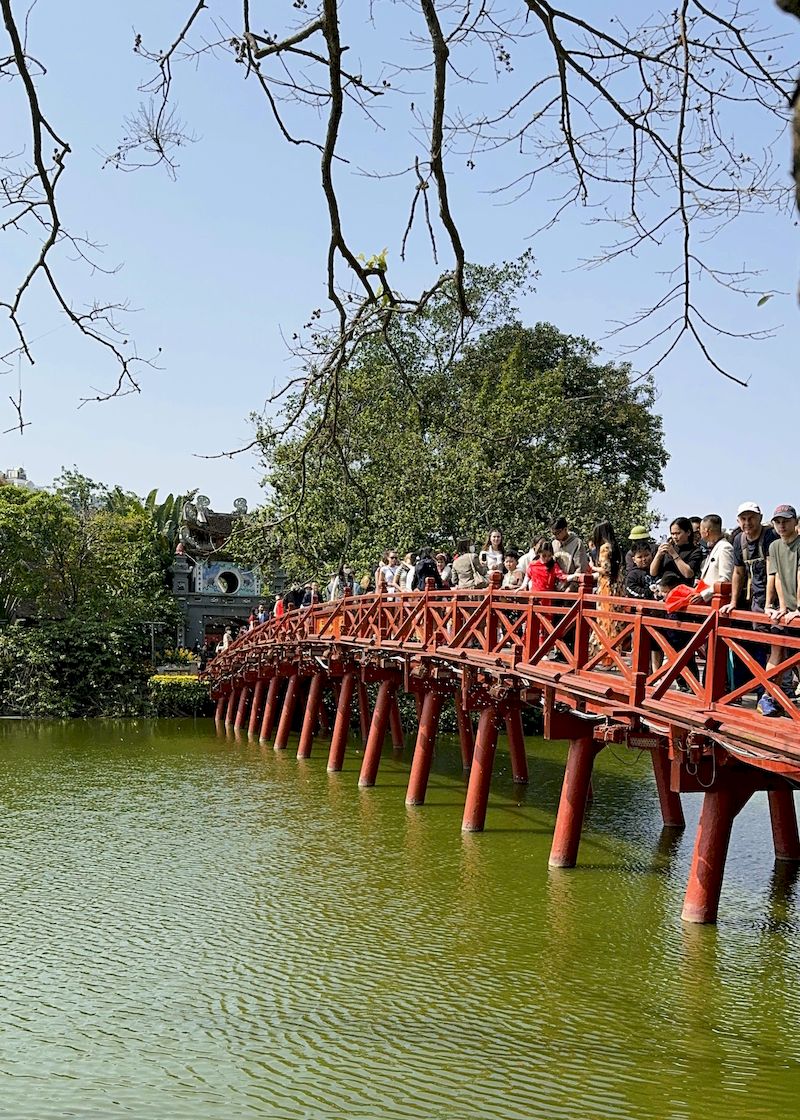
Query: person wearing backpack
(749, 581)
(426, 568)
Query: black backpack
(426, 569)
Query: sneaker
(768, 707)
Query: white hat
(749, 507)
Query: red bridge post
(311, 715)
(219, 711)
(241, 709)
(229, 711)
(341, 726)
(516, 745)
(363, 711)
(669, 800)
(255, 707)
(720, 807)
(270, 710)
(423, 748)
(480, 775)
(783, 819)
(377, 733)
(287, 713)
(396, 725)
(572, 805)
(466, 734)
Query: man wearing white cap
(750, 552)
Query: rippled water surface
(198, 927)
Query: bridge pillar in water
(287, 713)
(423, 748)
(231, 707)
(480, 775)
(377, 733)
(396, 725)
(270, 709)
(572, 804)
(323, 722)
(363, 711)
(311, 715)
(241, 708)
(219, 711)
(341, 725)
(466, 734)
(783, 818)
(669, 799)
(255, 707)
(720, 807)
(516, 745)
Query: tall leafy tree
(441, 434)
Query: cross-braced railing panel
(699, 667)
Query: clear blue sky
(223, 261)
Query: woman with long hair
(493, 551)
(606, 561)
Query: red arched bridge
(603, 670)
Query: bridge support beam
(219, 711)
(669, 799)
(241, 708)
(423, 748)
(396, 725)
(466, 734)
(720, 807)
(516, 746)
(341, 726)
(377, 733)
(255, 707)
(572, 805)
(783, 818)
(480, 775)
(287, 714)
(311, 715)
(270, 710)
(323, 723)
(230, 710)
(363, 711)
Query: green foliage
(179, 656)
(74, 667)
(85, 567)
(440, 435)
(179, 696)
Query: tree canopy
(438, 437)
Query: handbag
(479, 578)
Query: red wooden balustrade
(603, 669)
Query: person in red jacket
(543, 574)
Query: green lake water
(198, 927)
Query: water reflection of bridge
(586, 661)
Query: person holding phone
(678, 554)
(493, 552)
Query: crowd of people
(760, 560)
